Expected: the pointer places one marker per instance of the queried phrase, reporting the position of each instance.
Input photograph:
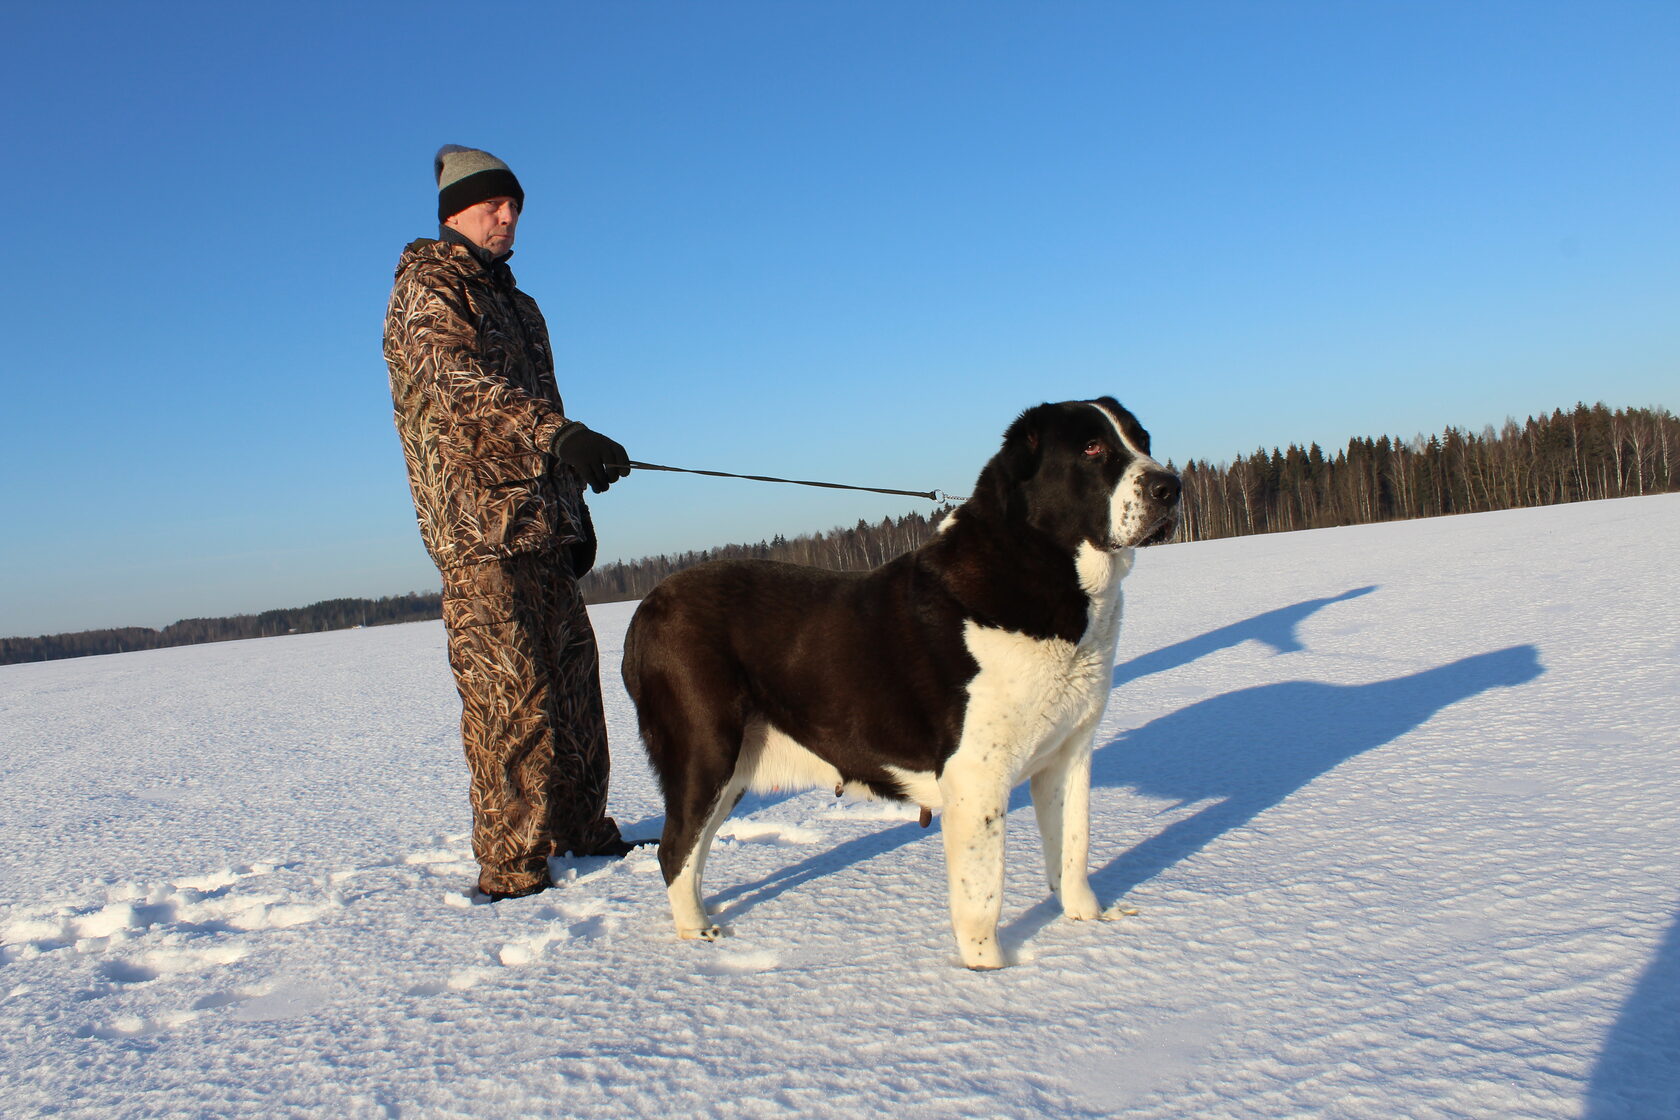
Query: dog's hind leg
(682, 881)
(688, 708)
(1061, 797)
(698, 800)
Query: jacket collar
(482, 255)
(461, 255)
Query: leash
(930, 495)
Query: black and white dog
(943, 677)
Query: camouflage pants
(524, 658)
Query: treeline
(1587, 454)
(330, 614)
(857, 549)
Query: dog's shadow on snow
(1241, 752)
(732, 902)
(1273, 628)
(1246, 751)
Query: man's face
(488, 224)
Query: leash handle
(930, 495)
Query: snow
(1395, 803)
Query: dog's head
(1080, 472)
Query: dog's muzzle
(1161, 492)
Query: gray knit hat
(467, 176)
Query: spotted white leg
(973, 825)
(1048, 807)
(1061, 796)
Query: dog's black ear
(1023, 443)
(1017, 460)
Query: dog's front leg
(1061, 795)
(972, 824)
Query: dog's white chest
(1030, 694)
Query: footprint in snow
(722, 962)
(747, 831)
(139, 935)
(136, 919)
(273, 1000)
(447, 857)
(580, 920)
(458, 981)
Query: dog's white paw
(1081, 905)
(706, 933)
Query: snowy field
(1397, 806)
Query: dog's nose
(1162, 487)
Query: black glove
(599, 461)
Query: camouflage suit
(472, 382)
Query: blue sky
(841, 241)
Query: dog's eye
(1095, 449)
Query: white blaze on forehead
(1120, 432)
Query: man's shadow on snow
(1638, 1071)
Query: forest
(1586, 454)
(1582, 455)
(859, 548)
(331, 614)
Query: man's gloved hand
(599, 461)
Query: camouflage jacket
(472, 384)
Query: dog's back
(822, 657)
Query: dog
(944, 677)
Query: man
(497, 470)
